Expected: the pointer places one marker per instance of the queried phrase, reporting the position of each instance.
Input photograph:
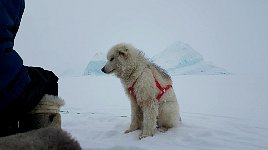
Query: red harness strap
(162, 89)
(131, 90)
(161, 93)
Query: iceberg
(177, 55)
(95, 64)
(181, 59)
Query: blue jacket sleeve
(13, 75)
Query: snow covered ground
(218, 112)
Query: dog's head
(120, 60)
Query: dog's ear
(123, 53)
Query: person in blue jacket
(21, 87)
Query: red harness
(161, 93)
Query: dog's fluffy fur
(42, 139)
(129, 64)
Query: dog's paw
(142, 136)
(130, 130)
(162, 129)
(147, 133)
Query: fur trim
(45, 138)
(49, 104)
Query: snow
(218, 112)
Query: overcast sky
(66, 33)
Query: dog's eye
(112, 59)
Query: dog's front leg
(136, 117)
(150, 113)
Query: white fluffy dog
(153, 101)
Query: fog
(65, 34)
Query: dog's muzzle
(103, 70)
(107, 72)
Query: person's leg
(42, 82)
(13, 75)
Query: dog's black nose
(103, 70)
